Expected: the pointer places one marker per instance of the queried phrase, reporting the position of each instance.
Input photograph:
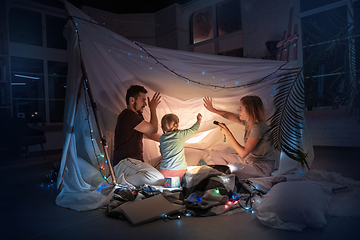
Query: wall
(138, 27)
(263, 21)
(157, 29)
(167, 25)
(333, 128)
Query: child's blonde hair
(169, 122)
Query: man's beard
(138, 111)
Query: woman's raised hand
(208, 104)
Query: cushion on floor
(294, 205)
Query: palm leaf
(286, 122)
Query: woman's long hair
(255, 109)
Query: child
(173, 163)
(256, 158)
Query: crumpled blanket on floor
(291, 203)
(206, 191)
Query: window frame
(314, 11)
(213, 45)
(38, 52)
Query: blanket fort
(110, 63)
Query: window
(217, 29)
(306, 5)
(228, 17)
(54, 29)
(28, 93)
(203, 25)
(57, 89)
(357, 39)
(39, 68)
(228, 20)
(27, 86)
(325, 66)
(25, 27)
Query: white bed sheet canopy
(111, 63)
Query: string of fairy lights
(181, 76)
(212, 86)
(100, 156)
(235, 199)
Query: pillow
(294, 205)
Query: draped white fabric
(112, 64)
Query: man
(128, 158)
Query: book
(149, 209)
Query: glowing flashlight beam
(198, 138)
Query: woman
(256, 158)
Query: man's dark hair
(134, 91)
